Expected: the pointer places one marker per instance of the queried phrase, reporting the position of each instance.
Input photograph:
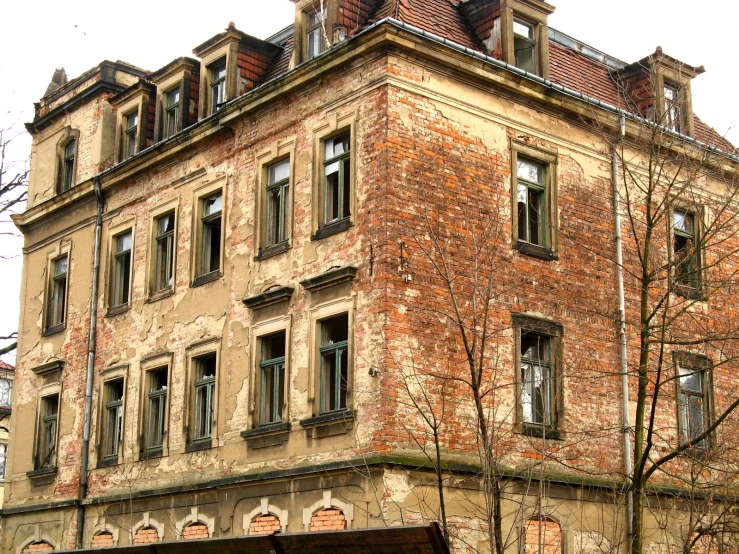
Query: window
(538, 358)
(524, 45)
(278, 184)
(334, 364)
(205, 385)
(685, 249)
(210, 248)
(5, 392)
(532, 205)
(672, 108)
(121, 290)
(272, 379)
(131, 132)
(156, 426)
(217, 85)
(113, 418)
(534, 201)
(694, 398)
(3, 460)
(172, 113)
(337, 178)
(49, 417)
(68, 166)
(58, 298)
(164, 252)
(315, 33)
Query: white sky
(37, 37)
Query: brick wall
(195, 531)
(328, 520)
(265, 525)
(146, 535)
(542, 537)
(38, 547)
(102, 540)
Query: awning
(414, 539)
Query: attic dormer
(514, 31)
(658, 88)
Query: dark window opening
(536, 380)
(157, 422)
(211, 238)
(217, 86)
(531, 195)
(113, 418)
(164, 262)
(334, 351)
(272, 379)
(337, 173)
(205, 385)
(278, 184)
(524, 45)
(122, 270)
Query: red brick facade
(195, 531)
(146, 535)
(265, 525)
(38, 547)
(103, 540)
(328, 520)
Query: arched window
(328, 519)
(146, 535)
(265, 525)
(104, 539)
(542, 536)
(41, 546)
(197, 530)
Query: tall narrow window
(278, 183)
(131, 132)
(693, 398)
(334, 351)
(686, 252)
(172, 113)
(121, 291)
(48, 431)
(524, 45)
(532, 216)
(58, 297)
(113, 418)
(337, 175)
(315, 33)
(5, 390)
(672, 108)
(205, 386)
(536, 379)
(156, 425)
(68, 159)
(3, 460)
(272, 379)
(164, 262)
(210, 257)
(217, 85)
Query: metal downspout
(90, 366)
(622, 329)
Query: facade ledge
(43, 476)
(207, 278)
(50, 367)
(112, 312)
(54, 329)
(275, 250)
(328, 279)
(327, 425)
(282, 294)
(159, 295)
(537, 431)
(198, 446)
(535, 251)
(151, 453)
(267, 435)
(332, 229)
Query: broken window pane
(337, 175)
(536, 379)
(531, 199)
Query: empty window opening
(164, 263)
(211, 237)
(334, 363)
(337, 172)
(272, 379)
(113, 418)
(531, 195)
(157, 415)
(536, 379)
(205, 385)
(122, 269)
(524, 45)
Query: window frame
(3, 460)
(199, 277)
(117, 283)
(278, 367)
(152, 268)
(221, 82)
(320, 25)
(335, 126)
(66, 174)
(695, 289)
(549, 250)
(161, 361)
(198, 351)
(522, 324)
(42, 420)
(10, 392)
(130, 133)
(168, 109)
(111, 448)
(54, 324)
(166, 264)
(695, 363)
(532, 43)
(672, 107)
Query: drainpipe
(90, 366)
(622, 329)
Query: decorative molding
(330, 278)
(273, 296)
(264, 509)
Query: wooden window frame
(201, 195)
(161, 361)
(694, 363)
(198, 351)
(698, 213)
(66, 180)
(54, 324)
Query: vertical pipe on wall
(622, 330)
(90, 366)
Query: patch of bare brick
(328, 520)
(146, 535)
(102, 540)
(38, 547)
(542, 537)
(265, 525)
(195, 531)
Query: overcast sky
(37, 37)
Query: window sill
(151, 453)
(112, 312)
(271, 251)
(275, 434)
(51, 470)
(326, 425)
(107, 462)
(160, 294)
(535, 251)
(54, 329)
(690, 293)
(207, 278)
(536, 431)
(333, 229)
(198, 446)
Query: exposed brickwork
(328, 520)
(38, 547)
(103, 540)
(195, 531)
(146, 535)
(266, 525)
(542, 537)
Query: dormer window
(172, 113)
(217, 85)
(524, 45)
(672, 117)
(315, 33)
(131, 132)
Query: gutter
(90, 366)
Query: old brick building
(254, 264)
